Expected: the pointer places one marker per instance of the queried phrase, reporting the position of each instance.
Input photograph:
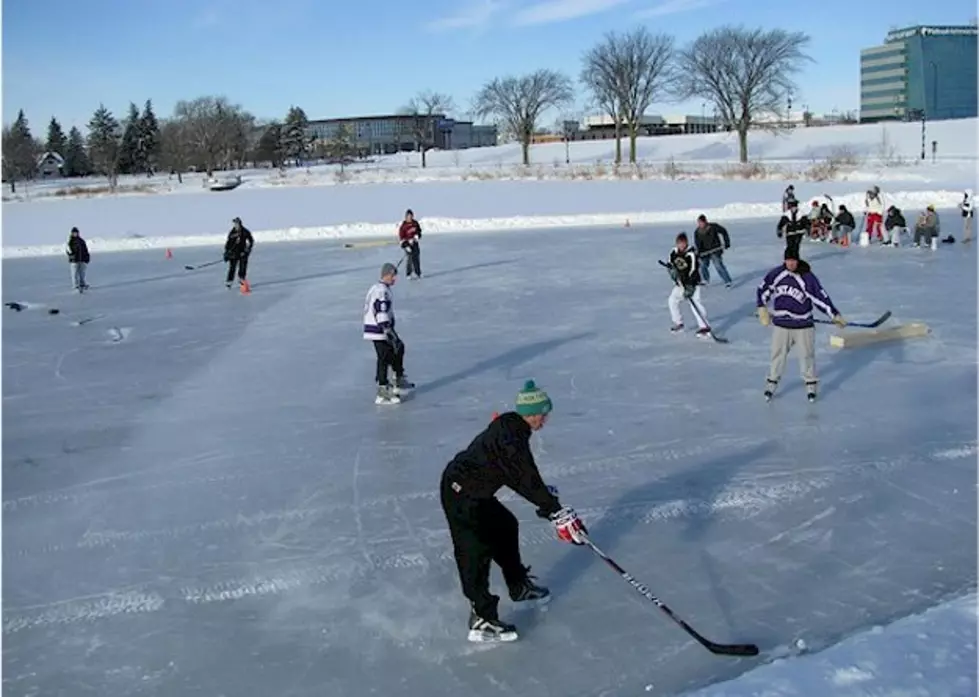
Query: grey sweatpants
(783, 341)
(78, 275)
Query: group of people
(887, 226)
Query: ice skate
(677, 328)
(703, 333)
(770, 390)
(811, 397)
(527, 590)
(482, 630)
(402, 385)
(386, 395)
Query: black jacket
(792, 225)
(239, 244)
(845, 219)
(685, 266)
(500, 457)
(77, 250)
(894, 219)
(709, 239)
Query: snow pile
(932, 654)
(908, 200)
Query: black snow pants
(483, 531)
(793, 241)
(388, 357)
(414, 254)
(239, 263)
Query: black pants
(793, 241)
(241, 264)
(414, 254)
(483, 531)
(388, 357)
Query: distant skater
(379, 321)
(237, 249)
(711, 241)
(793, 227)
(410, 234)
(78, 259)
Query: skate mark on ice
(87, 610)
(792, 532)
(358, 518)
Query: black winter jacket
(500, 457)
(239, 244)
(792, 226)
(895, 219)
(77, 251)
(845, 219)
(711, 239)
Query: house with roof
(50, 165)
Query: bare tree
(216, 131)
(600, 74)
(745, 73)
(647, 73)
(421, 113)
(519, 102)
(174, 150)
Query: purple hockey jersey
(793, 296)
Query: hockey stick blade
(643, 590)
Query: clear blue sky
(356, 57)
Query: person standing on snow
(410, 234)
(967, 213)
(379, 324)
(237, 249)
(793, 227)
(78, 259)
(483, 530)
(873, 205)
(793, 290)
(711, 240)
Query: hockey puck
(54, 311)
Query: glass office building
(923, 70)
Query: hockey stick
(719, 649)
(188, 267)
(864, 325)
(693, 306)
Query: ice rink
(201, 498)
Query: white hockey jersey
(378, 311)
(874, 204)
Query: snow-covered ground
(873, 153)
(200, 496)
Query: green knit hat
(532, 400)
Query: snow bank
(931, 654)
(909, 200)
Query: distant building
(50, 165)
(389, 134)
(602, 127)
(921, 71)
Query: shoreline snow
(436, 225)
(932, 653)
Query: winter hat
(532, 400)
(790, 254)
(74, 230)
(389, 269)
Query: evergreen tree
(270, 148)
(130, 150)
(294, 134)
(76, 159)
(19, 151)
(149, 129)
(56, 141)
(104, 143)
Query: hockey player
(685, 272)
(894, 226)
(788, 197)
(78, 259)
(237, 249)
(379, 324)
(873, 204)
(483, 530)
(711, 240)
(794, 290)
(843, 226)
(967, 213)
(793, 227)
(410, 234)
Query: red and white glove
(569, 527)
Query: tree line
(744, 75)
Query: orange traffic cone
(169, 254)
(246, 287)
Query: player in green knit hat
(483, 530)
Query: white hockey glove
(569, 527)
